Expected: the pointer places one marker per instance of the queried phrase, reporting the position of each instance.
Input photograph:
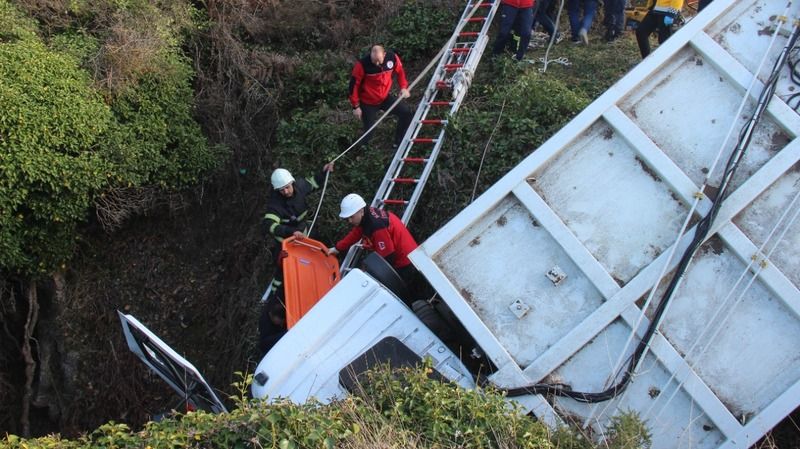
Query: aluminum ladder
(416, 155)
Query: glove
(332, 251)
(669, 20)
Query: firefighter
(383, 232)
(660, 17)
(370, 86)
(287, 215)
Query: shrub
(51, 126)
(320, 77)
(154, 139)
(404, 405)
(63, 141)
(420, 29)
(14, 25)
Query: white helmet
(351, 204)
(281, 178)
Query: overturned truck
(645, 258)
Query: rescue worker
(516, 15)
(287, 215)
(614, 19)
(370, 90)
(383, 232)
(660, 17)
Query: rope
(723, 305)
(696, 201)
(702, 231)
(416, 80)
(562, 60)
(413, 84)
(486, 150)
(319, 204)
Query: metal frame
(620, 302)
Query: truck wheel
(377, 267)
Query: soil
(194, 276)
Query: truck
(645, 258)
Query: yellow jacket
(670, 7)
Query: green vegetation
(66, 138)
(102, 99)
(394, 409)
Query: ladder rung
(424, 140)
(442, 85)
(395, 202)
(476, 19)
(451, 67)
(441, 103)
(405, 180)
(469, 33)
(415, 160)
(461, 50)
(485, 5)
(433, 121)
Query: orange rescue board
(308, 274)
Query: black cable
(701, 233)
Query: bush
(320, 77)
(51, 126)
(14, 25)
(63, 141)
(405, 405)
(154, 139)
(420, 29)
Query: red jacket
(370, 83)
(384, 233)
(521, 4)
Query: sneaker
(575, 40)
(584, 36)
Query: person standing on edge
(541, 15)
(383, 232)
(370, 86)
(614, 11)
(516, 15)
(580, 25)
(660, 17)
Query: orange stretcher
(308, 274)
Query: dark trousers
(614, 11)
(520, 21)
(653, 21)
(702, 4)
(578, 22)
(541, 16)
(369, 115)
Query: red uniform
(519, 3)
(370, 83)
(384, 233)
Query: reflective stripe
(277, 282)
(302, 216)
(272, 227)
(313, 182)
(272, 217)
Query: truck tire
(377, 267)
